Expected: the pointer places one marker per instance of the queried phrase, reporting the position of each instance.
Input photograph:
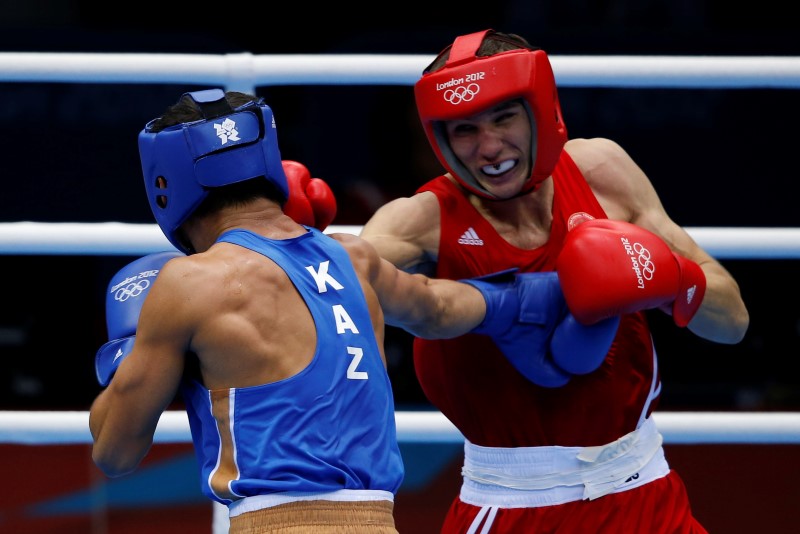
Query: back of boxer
(292, 432)
(538, 458)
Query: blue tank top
(329, 427)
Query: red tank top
(470, 380)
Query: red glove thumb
(311, 201)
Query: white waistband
(543, 476)
(259, 502)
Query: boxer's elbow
(728, 328)
(115, 462)
(117, 459)
(738, 327)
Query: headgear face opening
(181, 163)
(469, 84)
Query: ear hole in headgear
(161, 200)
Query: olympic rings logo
(132, 290)
(463, 93)
(648, 267)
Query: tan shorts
(318, 517)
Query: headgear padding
(469, 84)
(181, 163)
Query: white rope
(64, 427)
(246, 71)
(114, 238)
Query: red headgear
(469, 84)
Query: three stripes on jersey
(470, 237)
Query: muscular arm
(405, 232)
(425, 307)
(124, 416)
(627, 194)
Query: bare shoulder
(194, 269)
(347, 240)
(405, 216)
(616, 179)
(200, 281)
(406, 231)
(177, 302)
(183, 280)
(362, 253)
(595, 154)
(602, 162)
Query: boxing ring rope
(70, 428)
(246, 71)
(115, 238)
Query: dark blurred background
(717, 157)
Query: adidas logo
(690, 294)
(470, 238)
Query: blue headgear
(182, 162)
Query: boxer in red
(578, 452)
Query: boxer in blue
(272, 331)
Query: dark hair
(186, 110)
(493, 43)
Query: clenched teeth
(498, 168)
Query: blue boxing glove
(527, 317)
(124, 298)
(580, 349)
(522, 312)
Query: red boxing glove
(608, 268)
(311, 201)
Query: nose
(490, 143)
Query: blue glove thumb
(522, 311)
